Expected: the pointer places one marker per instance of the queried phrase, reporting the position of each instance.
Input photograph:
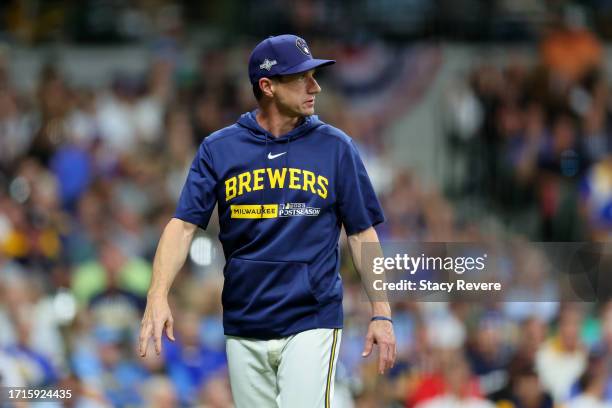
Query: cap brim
(307, 66)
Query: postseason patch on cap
(267, 64)
(301, 44)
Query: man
(285, 183)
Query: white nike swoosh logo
(274, 156)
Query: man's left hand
(380, 332)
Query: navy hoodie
(281, 204)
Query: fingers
(157, 332)
(145, 333)
(386, 354)
(155, 329)
(383, 336)
(383, 352)
(386, 357)
(170, 329)
(368, 346)
(157, 316)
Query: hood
(248, 121)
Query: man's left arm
(380, 332)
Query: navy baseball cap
(282, 55)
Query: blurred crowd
(90, 176)
(110, 22)
(541, 131)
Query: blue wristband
(381, 318)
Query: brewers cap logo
(301, 44)
(267, 64)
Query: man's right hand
(169, 259)
(157, 315)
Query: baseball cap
(282, 55)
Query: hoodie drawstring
(288, 145)
(263, 190)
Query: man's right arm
(169, 259)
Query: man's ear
(267, 87)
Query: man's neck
(276, 123)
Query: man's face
(295, 94)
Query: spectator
(107, 367)
(488, 355)
(562, 359)
(570, 50)
(10, 375)
(532, 334)
(38, 370)
(159, 392)
(592, 384)
(115, 275)
(215, 393)
(28, 324)
(190, 363)
(597, 199)
(457, 377)
(524, 389)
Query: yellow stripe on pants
(330, 370)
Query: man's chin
(300, 111)
(308, 111)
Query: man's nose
(314, 87)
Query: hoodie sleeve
(357, 202)
(198, 197)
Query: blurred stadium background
(477, 120)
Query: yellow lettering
(258, 179)
(255, 180)
(322, 190)
(293, 178)
(243, 182)
(230, 188)
(277, 178)
(309, 181)
(254, 211)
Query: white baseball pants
(292, 372)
